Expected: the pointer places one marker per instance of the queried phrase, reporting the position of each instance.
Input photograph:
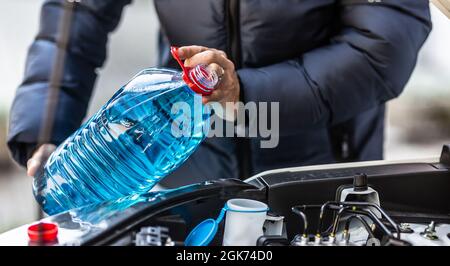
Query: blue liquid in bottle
(128, 145)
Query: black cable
(324, 207)
(367, 205)
(363, 222)
(351, 207)
(374, 218)
(304, 218)
(336, 220)
(383, 213)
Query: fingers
(219, 94)
(227, 90)
(209, 57)
(189, 51)
(195, 54)
(39, 158)
(217, 69)
(185, 52)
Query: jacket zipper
(234, 53)
(234, 41)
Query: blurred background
(418, 122)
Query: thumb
(32, 166)
(39, 158)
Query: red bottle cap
(46, 232)
(199, 79)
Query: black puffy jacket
(332, 64)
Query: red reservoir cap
(46, 232)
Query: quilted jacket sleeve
(86, 51)
(367, 62)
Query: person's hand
(228, 88)
(39, 158)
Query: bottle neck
(202, 80)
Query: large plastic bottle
(128, 145)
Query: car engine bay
(353, 204)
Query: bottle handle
(174, 52)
